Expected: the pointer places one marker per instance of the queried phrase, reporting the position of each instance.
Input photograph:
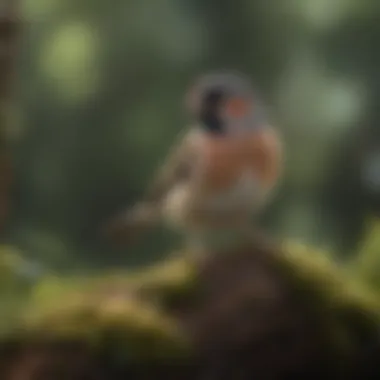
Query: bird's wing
(177, 167)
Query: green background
(99, 98)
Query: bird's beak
(237, 107)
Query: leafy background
(99, 101)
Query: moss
(96, 309)
(127, 314)
(142, 330)
(347, 308)
(175, 275)
(365, 265)
(327, 279)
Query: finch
(220, 173)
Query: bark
(9, 26)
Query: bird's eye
(213, 97)
(237, 107)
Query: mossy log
(261, 312)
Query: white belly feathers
(242, 194)
(183, 202)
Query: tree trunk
(8, 32)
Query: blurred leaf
(35, 10)
(366, 264)
(68, 59)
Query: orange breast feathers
(227, 158)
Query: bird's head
(224, 104)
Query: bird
(220, 173)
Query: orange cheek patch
(237, 107)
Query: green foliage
(365, 264)
(37, 9)
(101, 96)
(68, 60)
(14, 286)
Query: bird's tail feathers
(130, 224)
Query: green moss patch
(346, 307)
(112, 308)
(127, 313)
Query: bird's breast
(226, 159)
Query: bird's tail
(129, 226)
